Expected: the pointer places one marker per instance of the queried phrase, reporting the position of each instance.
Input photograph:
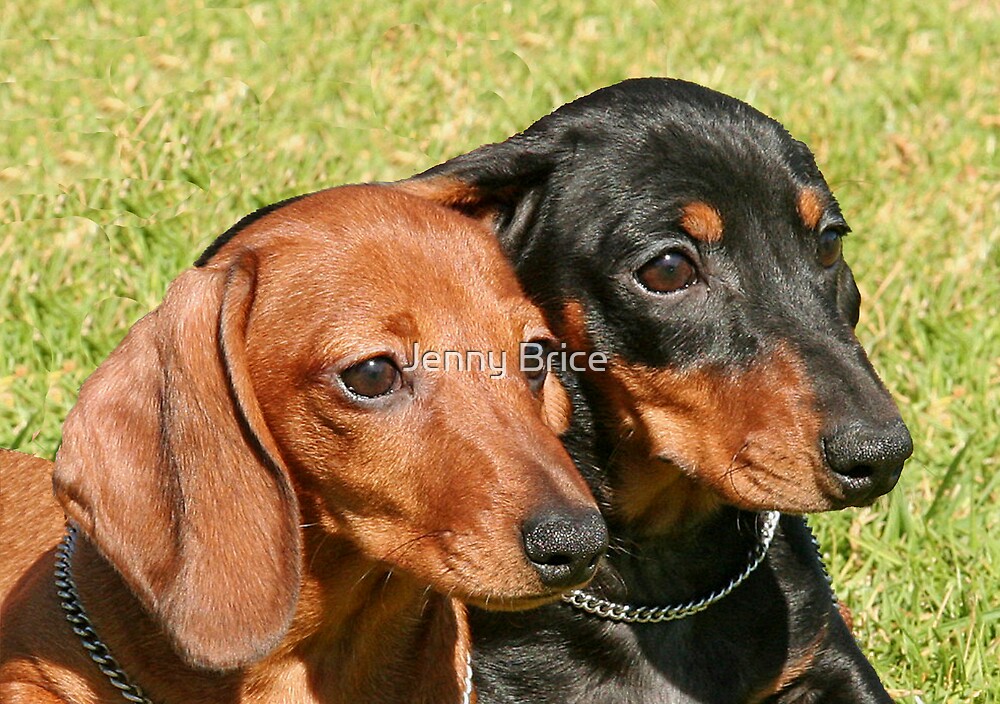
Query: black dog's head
(695, 243)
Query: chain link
(626, 613)
(467, 686)
(76, 615)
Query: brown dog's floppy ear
(168, 468)
(500, 184)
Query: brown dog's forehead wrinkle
(436, 262)
(402, 324)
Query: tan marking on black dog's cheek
(702, 221)
(655, 497)
(811, 205)
(750, 438)
(652, 496)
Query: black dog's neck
(687, 563)
(683, 566)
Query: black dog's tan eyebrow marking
(811, 205)
(702, 221)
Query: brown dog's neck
(374, 633)
(369, 636)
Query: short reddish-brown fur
(799, 664)
(572, 327)
(452, 193)
(718, 437)
(846, 614)
(250, 534)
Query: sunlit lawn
(132, 135)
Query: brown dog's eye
(535, 362)
(830, 246)
(667, 273)
(373, 377)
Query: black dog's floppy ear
(500, 184)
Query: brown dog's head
(277, 385)
(693, 243)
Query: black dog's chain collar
(76, 615)
(602, 608)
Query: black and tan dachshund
(692, 242)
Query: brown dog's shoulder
(32, 622)
(26, 569)
(25, 498)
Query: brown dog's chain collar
(626, 613)
(76, 615)
(99, 652)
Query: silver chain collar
(626, 613)
(467, 682)
(76, 615)
(99, 652)
(596, 606)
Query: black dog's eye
(669, 272)
(373, 377)
(535, 362)
(830, 246)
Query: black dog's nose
(565, 547)
(866, 459)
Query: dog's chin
(815, 492)
(500, 602)
(816, 498)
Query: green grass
(134, 133)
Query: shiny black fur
(579, 200)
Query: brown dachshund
(271, 501)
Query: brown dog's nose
(564, 547)
(867, 459)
